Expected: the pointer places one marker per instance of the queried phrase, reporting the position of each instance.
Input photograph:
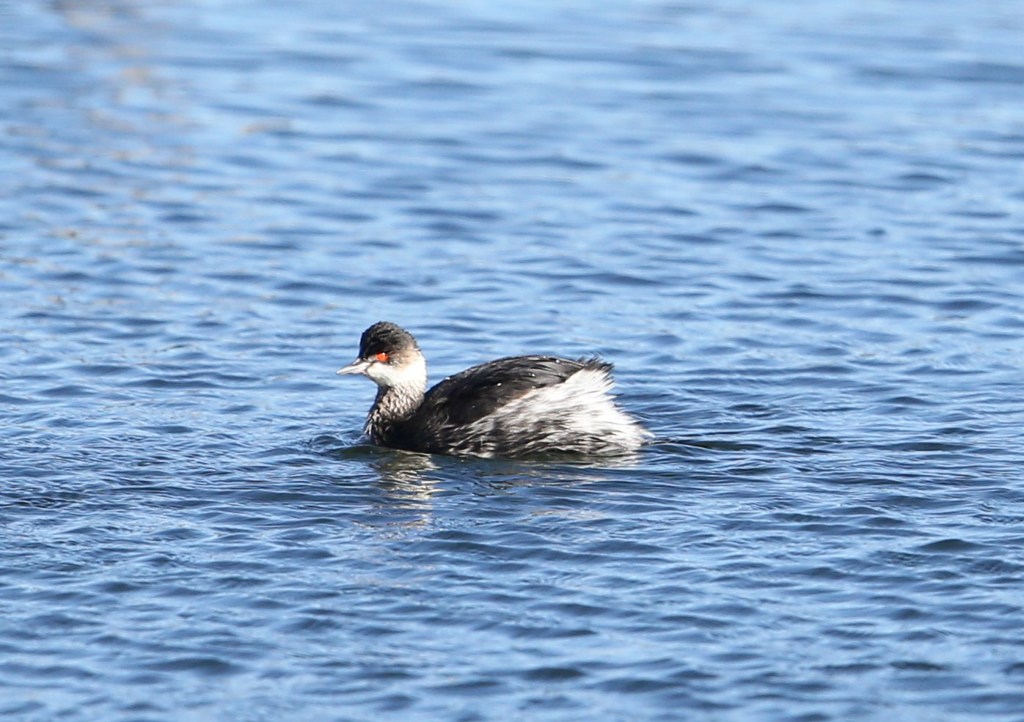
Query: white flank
(580, 406)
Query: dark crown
(385, 337)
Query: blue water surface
(796, 228)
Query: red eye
(382, 357)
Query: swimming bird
(512, 407)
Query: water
(794, 227)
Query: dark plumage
(513, 406)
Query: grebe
(517, 406)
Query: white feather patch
(579, 407)
(410, 375)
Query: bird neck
(393, 405)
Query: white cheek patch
(410, 374)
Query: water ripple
(798, 247)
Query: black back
(476, 392)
